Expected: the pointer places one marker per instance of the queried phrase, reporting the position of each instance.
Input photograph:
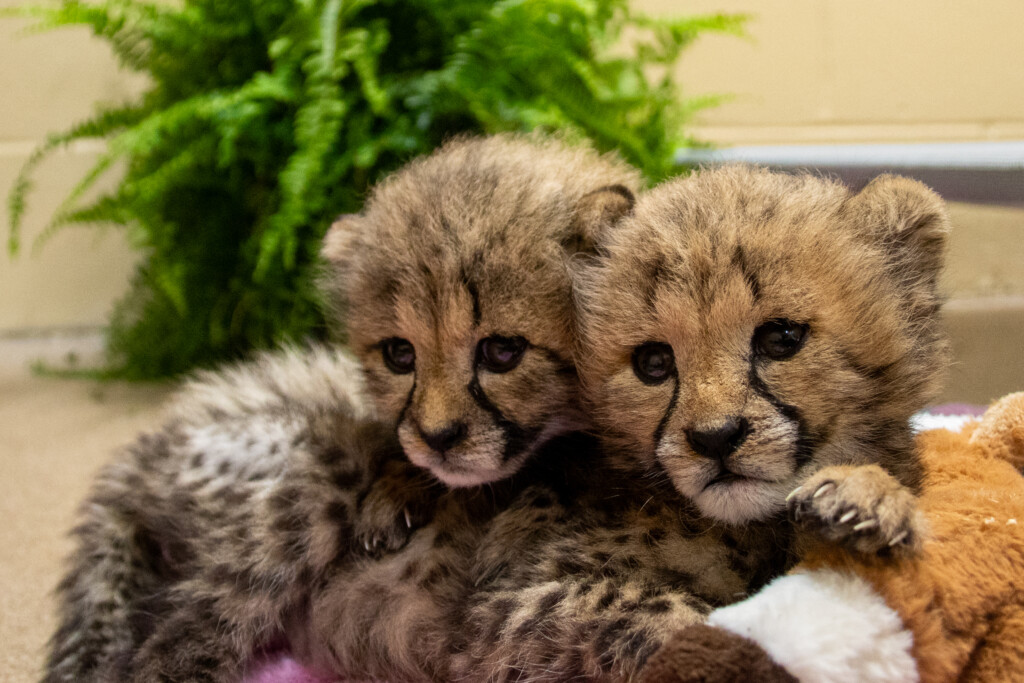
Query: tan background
(810, 71)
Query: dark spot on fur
(871, 373)
(346, 479)
(437, 574)
(514, 674)
(563, 366)
(610, 595)
(197, 460)
(634, 642)
(655, 272)
(285, 498)
(604, 642)
(289, 525)
(474, 295)
(567, 566)
(443, 539)
(739, 260)
(542, 501)
(338, 511)
(409, 571)
(675, 580)
(198, 484)
(551, 599)
(233, 497)
(657, 606)
(329, 455)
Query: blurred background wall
(811, 71)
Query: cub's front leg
(192, 646)
(398, 501)
(862, 507)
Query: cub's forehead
(426, 238)
(469, 248)
(730, 246)
(728, 218)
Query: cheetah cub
(454, 284)
(454, 287)
(456, 292)
(753, 334)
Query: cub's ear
(909, 220)
(337, 245)
(596, 212)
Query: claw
(823, 489)
(366, 544)
(866, 525)
(408, 518)
(793, 493)
(899, 539)
(848, 516)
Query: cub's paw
(398, 503)
(863, 508)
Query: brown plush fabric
(704, 654)
(963, 596)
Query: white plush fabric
(924, 421)
(825, 626)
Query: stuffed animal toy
(952, 612)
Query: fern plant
(264, 119)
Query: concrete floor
(54, 435)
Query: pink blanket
(284, 669)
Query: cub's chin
(464, 467)
(736, 499)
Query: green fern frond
(264, 119)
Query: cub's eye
(399, 355)
(653, 362)
(501, 354)
(779, 339)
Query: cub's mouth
(725, 477)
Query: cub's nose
(445, 438)
(719, 443)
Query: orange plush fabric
(962, 597)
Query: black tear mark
(659, 432)
(806, 443)
(517, 437)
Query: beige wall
(47, 82)
(856, 71)
(810, 71)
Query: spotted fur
(582, 572)
(249, 489)
(269, 474)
